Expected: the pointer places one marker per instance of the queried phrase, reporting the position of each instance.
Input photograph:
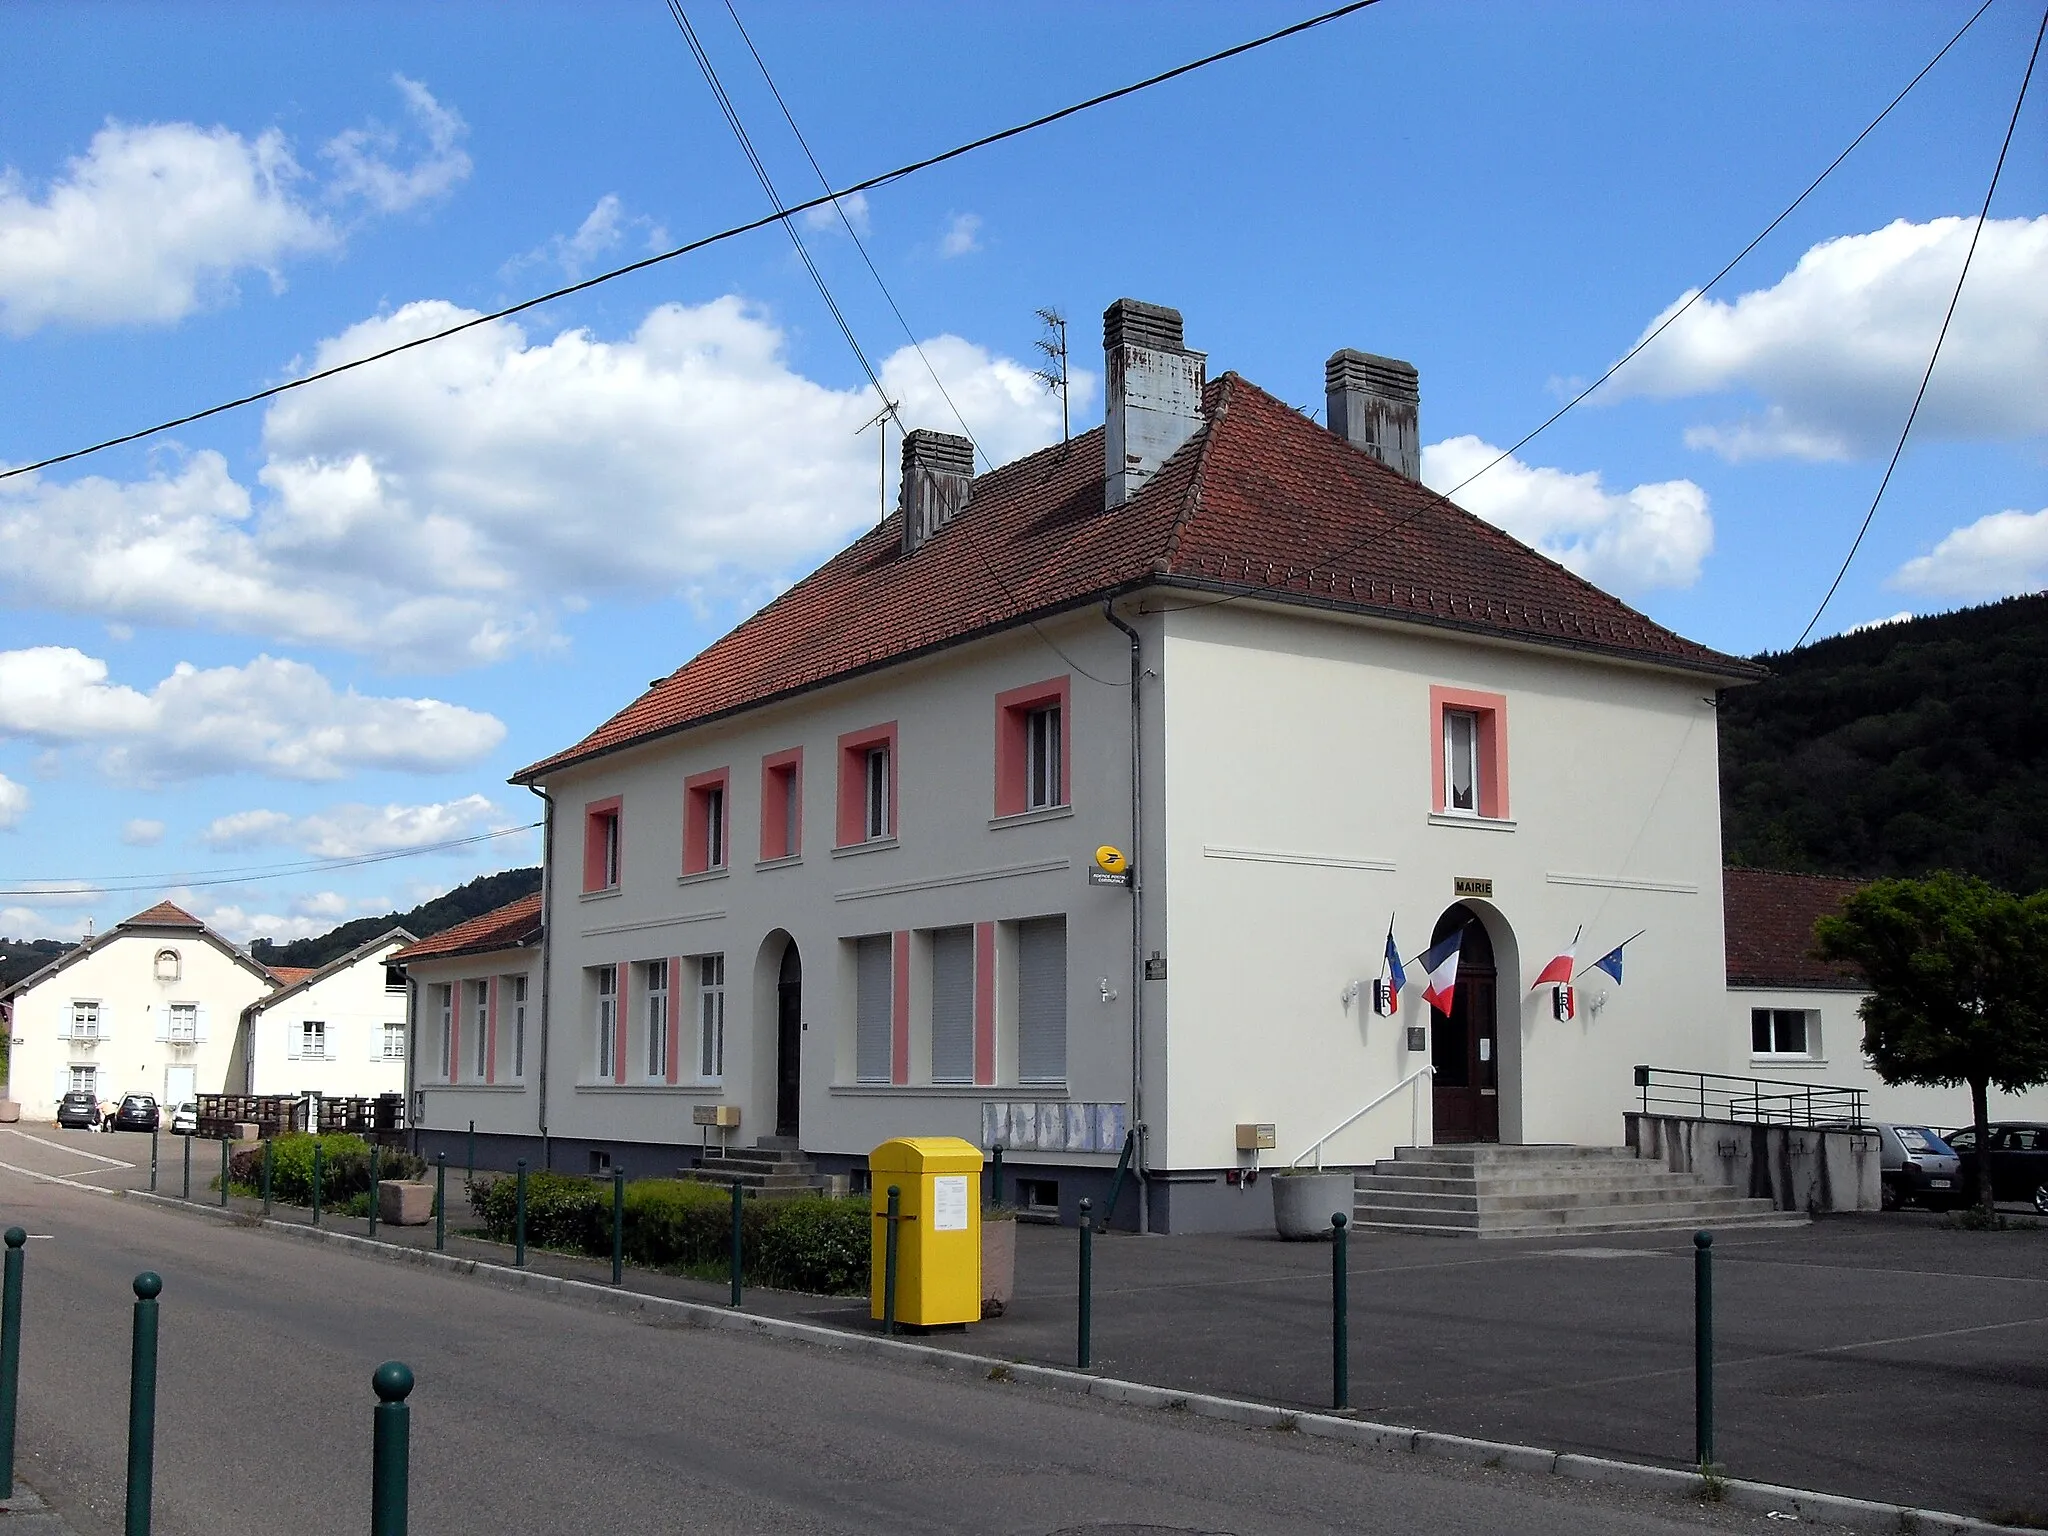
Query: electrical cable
(729, 233)
(1920, 394)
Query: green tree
(1958, 978)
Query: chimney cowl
(1153, 394)
(938, 476)
(1375, 405)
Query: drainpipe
(1137, 920)
(547, 928)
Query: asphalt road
(535, 1417)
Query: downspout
(547, 873)
(1137, 878)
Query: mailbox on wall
(1256, 1138)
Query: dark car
(138, 1112)
(78, 1111)
(2019, 1160)
(1919, 1168)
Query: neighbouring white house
(338, 1030)
(838, 875)
(149, 1006)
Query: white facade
(476, 1041)
(340, 1032)
(144, 1008)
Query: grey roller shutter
(953, 1005)
(874, 1007)
(1042, 1000)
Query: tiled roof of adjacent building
(508, 927)
(163, 915)
(1769, 917)
(291, 975)
(1262, 502)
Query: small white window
(657, 1020)
(611, 851)
(1461, 762)
(877, 793)
(394, 1042)
(607, 1021)
(714, 827)
(85, 1021)
(480, 1023)
(711, 1018)
(86, 1080)
(444, 996)
(313, 1040)
(168, 965)
(1042, 787)
(184, 1023)
(1784, 1032)
(519, 1026)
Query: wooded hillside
(483, 894)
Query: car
(2019, 1160)
(1916, 1167)
(136, 1112)
(185, 1120)
(78, 1110)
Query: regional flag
(1440, 960)
(1558, 972)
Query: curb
(1737, 1493)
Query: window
(867, 786)
(607, 1021)
(1783, 1032)
(704, 807)
(184, 1023)
(601, 845)
(953, 1005)
(85, 1021)
(86, 1080)
(1469, 753)
(394, 978)
(1031, 748)
(711, 1018)
(1042, 1000)
(168, 965)
(519, 1026)
(657, 1020)
(394, 1042)
(480, 1026)
(874, 1007)
(444, 1006)
(313, 1040)
(782, 780)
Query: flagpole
(1624, 944)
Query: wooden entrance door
(1465, 1047)
(789, 1041)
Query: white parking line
(61, 1146)
(51, 1178)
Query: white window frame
(446, 1000)
(394, 1042)
(714, 825)
(480, 1053)
(657, 1020)
(312, 1039)
(611, 850)
(875, 771)
(1043, 788)
(606, 1019)
(1469, 719)
(84, 1078)
(710, 1018)
(183, 1030)
(519, 1027)
(1809, 1032)
(85, 1019)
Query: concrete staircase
(1555, 1191)
(772, 1166)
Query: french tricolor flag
(1558, 973)
(1440, 960)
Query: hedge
(818, 1245)
(344, 1168)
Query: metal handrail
(1750, 1100)
(1425, 1070)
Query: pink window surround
(1013, 711)
(984, 1004)
(854, 747)
(599, 818)
(697, 802)
(675, 1022)
(899, 1011)
(620, 1015)
(454, 1031)
(782, 784)
(1492, 712)
(491, 1032)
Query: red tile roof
(511, 925)
(291, 975)
(1769, 916)
(1261, 502)
(163, 915)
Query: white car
(185, 1120)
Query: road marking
(51, 1178)
(44, 1141)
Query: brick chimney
(1154, 393)
(1375, 404)
(938, 471)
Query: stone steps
(773, 1167)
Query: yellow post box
(938, 1231)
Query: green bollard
(188, 1167)
(142, 1404)
(373, 1191)
(223, 1173)
(519, 1219)
(10, 1357)
(1340, 1314)
(469, 1178)
(618, 1226)
(995, 1174)
(266, 1180)
(391, 1450)
(1703, 1349)
(738, 1195)
(440, 1202)
(1084, 1342)
(318, 1150)
(152, 1159)
(889, 1259)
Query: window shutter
(377, 1041)
(199, 1024)
(63, 1084)
(953, 1005)
(874, 991)
(163, 1023)
(1042, 1000)
(294, 1038)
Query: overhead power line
(1920, 394)
(729, 233)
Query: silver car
(1918, 1168)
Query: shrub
(687, 1223)
(562, 1211)
(344, 1168)
(817, 1245)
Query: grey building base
(1796, 1168)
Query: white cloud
(1901, 617)
(275, 717)
(14, 801)
(2000, 555)
(29, 923)
(444, 507)
(142, 832)
(345, 831)
(854, 206)
(364, 157)
(962, 236)
(1655, 535)
(236, 920)
(602, 232)
(1834, 350)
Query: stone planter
(1304, 1202)
(998, 1265)
(10, 1111)
(403, 1203)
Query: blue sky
(332, 625)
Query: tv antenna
(881, 420)
(1054, 374)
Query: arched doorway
(1465, 1047)
(789, 1041)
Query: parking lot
(1887, 1357)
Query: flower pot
(1303, 1203)
(998, 1265)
